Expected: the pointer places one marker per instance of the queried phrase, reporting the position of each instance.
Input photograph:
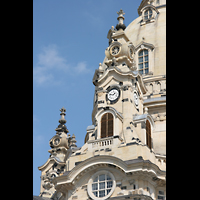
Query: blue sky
(69, 42)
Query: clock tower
(124, 151)
(119, 90)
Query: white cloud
(50, 64)
(41, 76)
(49, 60)
(81, 68)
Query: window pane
(141, 71)
(146, 58)
(146, 71)
(150, 11)
(110, 116)
(140, 66)
(140, 53)
(102, 185)
(150, 16)
(110, 125)
(109, 184)
(148, 134)
(95, 194)
(108, 191)
(107, 125)
(95, 186)
(146, 64)
(102, 193)
(146, 12)
(96, 179)
(110, 128)
(145, 52)
(102, 177)
(140, 59)
(108, 177)
(161, 197)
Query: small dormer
(155, 3)
(149, 14)
(149, 10)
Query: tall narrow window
(148, 134)
(143, 61)
(107, 125)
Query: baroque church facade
(124, 154)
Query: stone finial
(62, 121)
(121, 15)
(73, 141)
(100, 67)
(120, 18)
(145, 110)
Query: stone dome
(152, 33)
(148, 31)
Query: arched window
(148, 134)
(143, 61)
(107, 125)
(148, 14)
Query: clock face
(56, 141)
(136, 101)
(113, 95)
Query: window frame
(154, 12)
(148, 134)
(106, 124)
(91, 183)
(148, 14)
(150, 47)
(143, 63)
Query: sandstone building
(124, 155)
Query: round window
(56, 141)
(114, 50)
(101, 185)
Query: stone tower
(124, 155)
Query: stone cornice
(145, 45)
(149, 79)
(138, 166)
(157, 101)
(144, 117)
(132, 196)
(120, 34)
(119, 115)
(49, 161)
(133, 74)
